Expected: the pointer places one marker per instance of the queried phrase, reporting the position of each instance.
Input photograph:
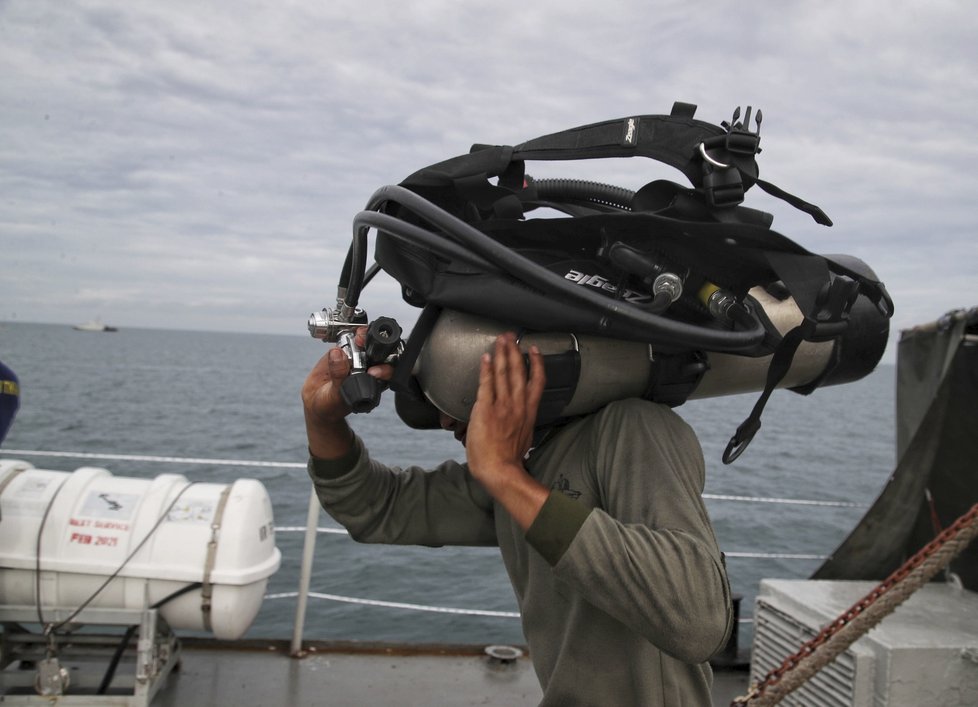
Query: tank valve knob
(383, 338)
(382, 344)
(361, 392)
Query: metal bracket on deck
(76, 667)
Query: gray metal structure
(937, 447)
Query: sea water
(214, 396)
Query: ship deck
(341, 674)
(347, 674)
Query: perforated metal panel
(846, 681)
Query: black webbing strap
(780, 364)
(490, 200)
(562, 372)
(402, 379)
(825, 302)
(409, 400)
(619, 136)
(671, 139)
(811, 209)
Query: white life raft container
(88, 522)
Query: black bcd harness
(455, 235)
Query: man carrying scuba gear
(620, 582)
(629, 304)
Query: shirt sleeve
(556, 525)
(410, 506)
(648, 556)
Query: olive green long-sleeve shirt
(620, 582)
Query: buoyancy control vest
(688, 274)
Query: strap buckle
(724, 187)
(723, 181)
(741, 439)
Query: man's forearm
(519, 493)
(331, 440)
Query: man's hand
(500, 430)
(325, 412)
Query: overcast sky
(196, 165)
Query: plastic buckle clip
(742, 143)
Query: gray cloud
(197, 166)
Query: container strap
(13, 475)
(6, 482)
(207, 587)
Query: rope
(863, 615)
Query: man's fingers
(320, 391)
(516, 367)
(508, 369)
(381, 371)
(338, 364)
(503, 377)
(500, 369)
(487, 388)
(360, 336)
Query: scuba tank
(587, 372)
(665, 292)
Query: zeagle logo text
(602, 283)
(631, 125)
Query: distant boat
(94, 325)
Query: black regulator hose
(523, 268)
(354, 268)
(584, 190)
(354, 279)
(402, 230)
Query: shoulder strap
(719, 161)
(671, 139)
